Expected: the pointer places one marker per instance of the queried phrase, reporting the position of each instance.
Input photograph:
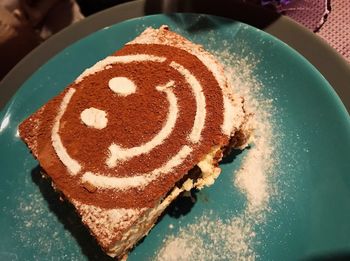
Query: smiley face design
(136, 121)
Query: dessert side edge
(136, 130)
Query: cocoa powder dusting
(132, 121)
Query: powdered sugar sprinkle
(211, 237)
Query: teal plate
(308, 217)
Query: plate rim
(299, 57)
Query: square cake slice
(134, 131)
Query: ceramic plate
(308, 213)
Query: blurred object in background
(89, 7)
(17, 38)
(329, 19)
(50, 16)
(310, 13)
(26, 23)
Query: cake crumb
(89, 187)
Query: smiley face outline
(120, 183)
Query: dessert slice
(134, 131)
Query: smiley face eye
(94, 118)
(122, 86)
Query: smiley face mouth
(118, 153)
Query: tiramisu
(134, 131)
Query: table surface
(330, 63)
(329, 19)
